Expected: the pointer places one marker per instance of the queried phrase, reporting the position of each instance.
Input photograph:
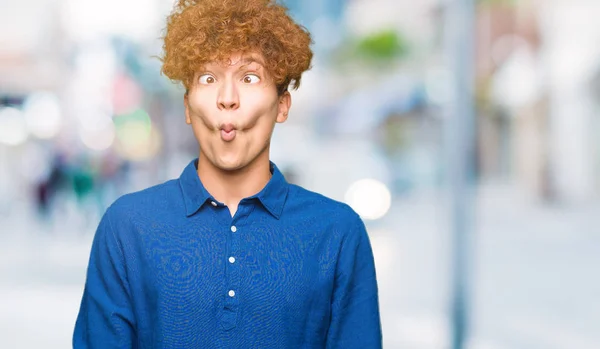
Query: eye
(206, 79)
(251, 79)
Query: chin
(230, 164)
(232, 161)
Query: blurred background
(85, 116)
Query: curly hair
(203, 31)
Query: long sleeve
(105, 318)
(355, 319)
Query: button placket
(232, 292)
(233, 264)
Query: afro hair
(203, 31)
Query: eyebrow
(244, 62)
(249, 60)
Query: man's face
(233, 109)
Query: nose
(228, 98)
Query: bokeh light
(370, 198)
(98, 138)
(43, 115)
(137, 139)
(13, 129)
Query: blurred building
(535, 64)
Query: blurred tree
(378, 49)
(384, 45)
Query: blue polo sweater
(170, 268)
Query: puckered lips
(228, 132)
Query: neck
(230, 187)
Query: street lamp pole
(459, 128)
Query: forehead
(236, 61)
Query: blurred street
(525, 295)
(385, 121)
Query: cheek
(261, 110)
(200, 117)
(261, 131)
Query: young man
(230, 255)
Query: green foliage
(384, 45)
(375, 51)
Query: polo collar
(272, 196)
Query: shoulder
(334, 211)
(342, 223)
(149, 200)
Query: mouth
(228, 132)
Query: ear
(186, 103)
(285, 103)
